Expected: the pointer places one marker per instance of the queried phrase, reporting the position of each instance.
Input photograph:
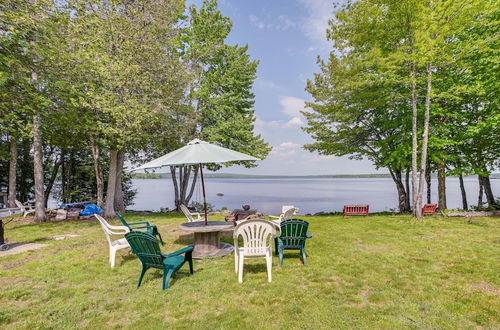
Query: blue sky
(286, 36)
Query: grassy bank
(375, 272)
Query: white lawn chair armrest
(119, 230)
(198, 215)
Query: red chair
(429, 209)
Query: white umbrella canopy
(197, 152)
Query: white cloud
(268, 84)
(294, 122)
(281, 23)
(315, 23)
(285, 149)
(292, 106)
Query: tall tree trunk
(425, 140)
(429, 183)
(464, 194)
(12, 173)
(109, 209)
(414, 143)
(38, 167)
(176, 188)
(50, 184)
(402, 194)
(441, 175)
(99, 176)
(119, 202)
(407, 186)
(490, 198)
(64, 177)
(480, 196)
(193, 184)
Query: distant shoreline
(253, 176)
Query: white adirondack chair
(189, 215)
(25, 208)
(109, 231)
(283, 216)
(257, 237)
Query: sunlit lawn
(375, 272)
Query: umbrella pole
(204, 197)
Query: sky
(286, 37)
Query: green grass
(375, 272)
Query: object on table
(257, 236)
(146, 248)
(356, 210)
(113, 245)
(239, 214)
(292, 237)
(283, 216)
(135, 226)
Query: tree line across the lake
(413, 86)
(87, 86)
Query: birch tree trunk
(429, 184)
(441, 174)
(465, 206)
(407, 186)
(109, 209)
(119, 202)
(11, 199)
(414, 143)
(480, 196)
(425, 140)
(99, 176)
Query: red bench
(356, 210)
(429, 209)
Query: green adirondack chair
(293, 237)
(145, 247)
(136, 226)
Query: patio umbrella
(197, 152)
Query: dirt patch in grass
(486, 288)
(17, 248)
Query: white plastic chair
(283, 216)
(257, 237)
(189, 214)
(25, 208)
(116, 245)
(285, 208)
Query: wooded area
(88, 86)
(413, 86)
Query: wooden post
(2, 238)
(204, 197)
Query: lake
(311, 195)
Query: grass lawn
(375, 272)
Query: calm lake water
(310, 195)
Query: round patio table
(207, 242)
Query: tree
(219, 92)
